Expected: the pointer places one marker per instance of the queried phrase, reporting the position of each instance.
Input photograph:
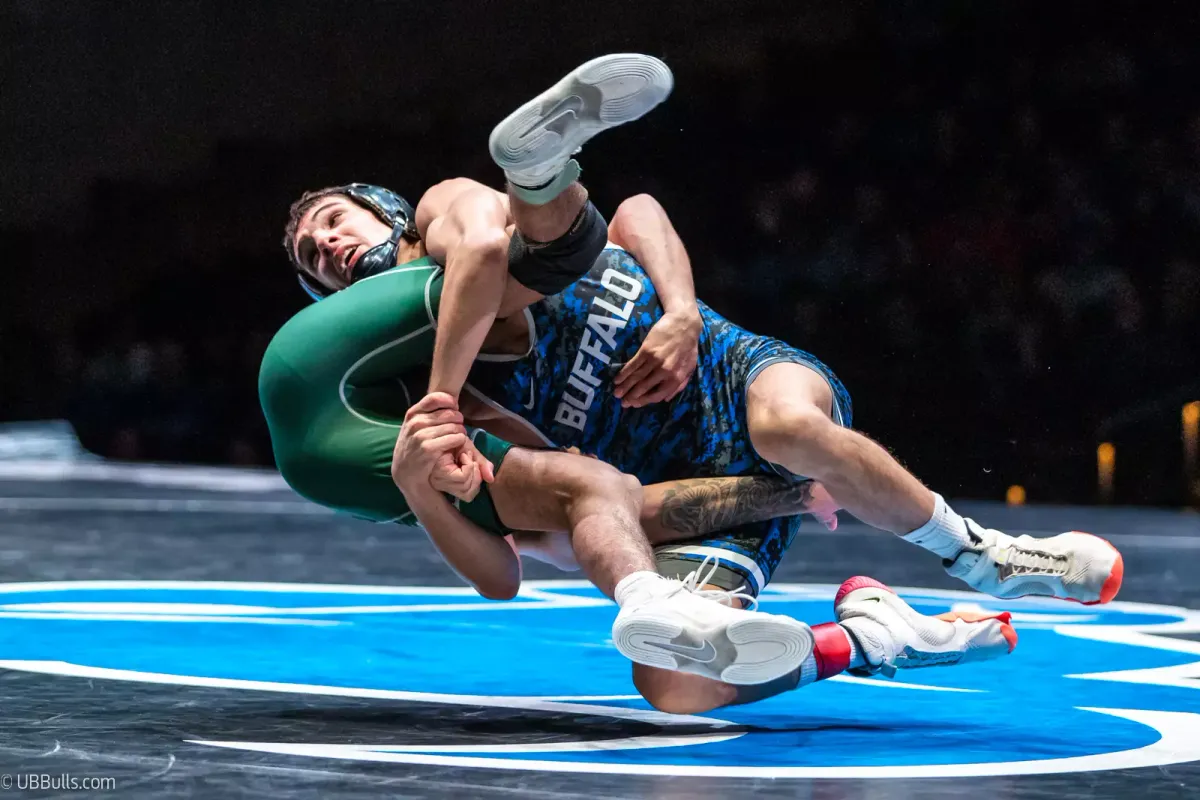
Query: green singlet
(335, 383)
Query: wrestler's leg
(534, 144)
(876, 631)
(540, 490)
(666, 690)
(662, 623)
(558, 232)
(479, 286)
(864, 638)
(737, 561)
(555, 491)
(788, 410)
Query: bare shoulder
(438, 199)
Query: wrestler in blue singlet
(580, 339)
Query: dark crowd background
(984, 216)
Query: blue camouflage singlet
(582, 338)
(563, 386)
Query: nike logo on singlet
(599, 339)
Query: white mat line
(161, 505)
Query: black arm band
(550, 267)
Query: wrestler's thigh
(787, 386)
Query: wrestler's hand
(663, 364)
(822, 506)
(431, 433)
(462, 475)
(459, 475)
(459, 471)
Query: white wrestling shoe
(891, 635)
(1070, 566)
(674, 625)
(536, 141)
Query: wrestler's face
(332, 236)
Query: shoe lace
(920, 658)
(693, 582)
(1024, 562)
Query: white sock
(808, 670)
(856, 656)
(636, 584)
(945, 534)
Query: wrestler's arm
(485, 561)
(680, 510)
(664, 363)
(641, 226)
(438, 199)
(688, 508)
(464, 228)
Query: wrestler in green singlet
(335, 383)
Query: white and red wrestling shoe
(891, 635)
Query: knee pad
(550, 267)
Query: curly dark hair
(298, 210)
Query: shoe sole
(603, 93)
(754, 650)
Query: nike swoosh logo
(703, 654)
(529, 405)
(553, 118)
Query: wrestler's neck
(407, 251)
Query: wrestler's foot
(891, 635)
(1070, 566)
(536, 141)
(674, 625)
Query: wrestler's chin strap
(381, 257)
